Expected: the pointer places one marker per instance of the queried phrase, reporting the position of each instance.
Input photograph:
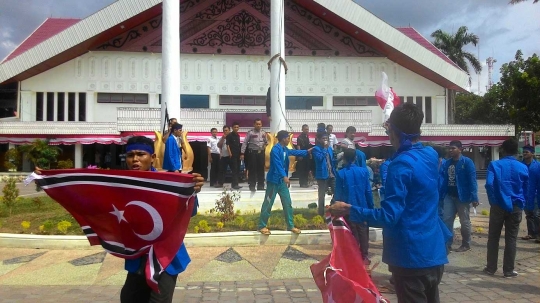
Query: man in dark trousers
(225, 157)
(507, 184)
(303, 164)
(213, 157)
(253, 149)
(532, 213)
(414, 235)
(234, 146)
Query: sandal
(527, 237)
(265, 231)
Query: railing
(58, 128)
(201, 120)
(452, 130)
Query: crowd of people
(423, 190)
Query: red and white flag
(342, 277)
(129, 213)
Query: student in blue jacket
(458, 190)
(277, 182)
(172, 157)
(506, 187)
(414, 235)
(353, 187)
(323, 156)
(532, 212)
(140, 156)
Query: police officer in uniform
(253, 149)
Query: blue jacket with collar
(360, 158)
(353, 186)
(534, 185)
(465, 179)
(279, 162)
(414, 235)
(507, 183)
(383, 169)
(321, 167)
(172, 154)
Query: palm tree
(519, 1)
(452, 46)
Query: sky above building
(502, 28)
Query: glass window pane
(428, 113)
(39, 106)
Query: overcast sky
(502, 28)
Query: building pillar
(277, 70)
(27, 108)
(170, 77)
(78, 156)
(55, 112)
(214, 101)
(494, 153)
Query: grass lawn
(50, 213)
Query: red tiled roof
(416, 36)
(46, 30)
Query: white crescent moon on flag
(156, 218)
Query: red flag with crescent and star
(129, 213)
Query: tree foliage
(452, 45)
(515, 99)
(41, 153)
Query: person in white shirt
(213, 157)
(332, 139)
(225, 157)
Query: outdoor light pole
(170, 54)
(277, 70)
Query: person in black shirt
(234, 146)
(303, 164)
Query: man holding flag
(134, 215)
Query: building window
(39, 106)
(355, 101)
(82, 106)
(429, 115)
(71, 106)
(419, 103)
(61, 107)
(293, 102)
(50, 106)
(243, 100)
(122, 98)
(194, 101)
(410, 99)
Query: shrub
(48, 225)
(239, 221)
(63, 226)
(219, 225)
(312, 205)
(37, 202)
(485, 212)
(225, 205)
(251, 225)
(25, 225)
(203, 226)
(276, 221)
(12, 159)
(65, 164)
(299, 221)
(196, 229)
(42, 229)
(10, 194)
(318, 221)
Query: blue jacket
(321, 168)
(360, 158)
(534, 185)
(279, 162)
(465, 178)
(353, 186)
(414, 235)
(383, 169)
(178, 264)
(507, 183)
(172, 155)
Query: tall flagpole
(170, 54)
(277, 70)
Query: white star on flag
(119, 214)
